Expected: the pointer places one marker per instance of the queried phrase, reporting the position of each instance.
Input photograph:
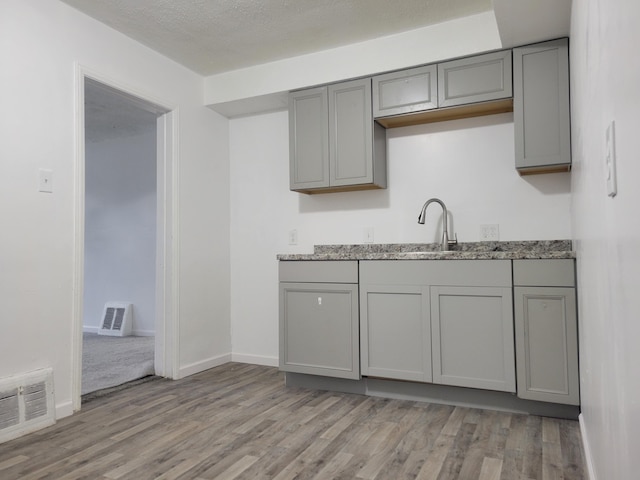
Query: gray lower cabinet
(472, 329)
(546, 328)
(446, 322)
(541, 111)
(396, 335)
(334, 143)
(475, 79)
(319, 319)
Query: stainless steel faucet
(446, 243)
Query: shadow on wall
(550, 183)
(344, 201)
(450, 125)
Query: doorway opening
(124, 236)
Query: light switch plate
(610, 159)
(45, 180)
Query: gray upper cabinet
(319, 318)
(309, 138)
(334, 143)
(475, 79)
(406, 91)
(541, 107)
(546, 329)
(479, 85)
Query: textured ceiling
(110, 114)
(213, 36)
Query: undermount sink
(428, 253)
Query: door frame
(167, 267)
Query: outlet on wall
(489, 233)
(367, 235)
(293, 237)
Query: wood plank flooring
(239, 421)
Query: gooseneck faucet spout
(446, 243)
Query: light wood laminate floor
(239, 421)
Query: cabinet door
(475, 79)
(350, 133)
(319, 329)
(541, 105)
(309, 139)
(394, 332)
(407, 91)
(547, 344)
(472, 337)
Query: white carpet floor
(111, 361)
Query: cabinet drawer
(319, 271)
(544, 273)
(488, 273)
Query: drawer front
(488, 273)
(544, 273)
(319, 271)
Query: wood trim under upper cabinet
(451, 113)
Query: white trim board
(167, 262)
(588, 458)
(255, 359)
(203, 365)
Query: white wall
(605, 72)
(469, 164)
(40, 43)
(456, 38)
(120, 228)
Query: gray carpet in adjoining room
(110, 361)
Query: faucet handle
(454, 241)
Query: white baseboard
(137, 333)
(255, 359)
(144, 333)
(203, 365)
(588, 458)
(64, 409)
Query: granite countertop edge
(524, 250)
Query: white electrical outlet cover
(490, 232)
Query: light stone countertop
(512, 250)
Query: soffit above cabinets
(218, 36)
